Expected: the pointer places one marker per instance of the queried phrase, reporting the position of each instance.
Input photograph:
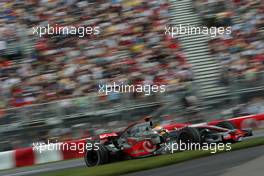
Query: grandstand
(52, 82)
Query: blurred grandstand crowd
(241, 53)
(131, 49)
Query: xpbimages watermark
(182, 146)
(79, 31)
(124, 88)
(173, 31)
(80, 147)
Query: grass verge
(136, 165)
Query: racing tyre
(189, 135)
(96, 157)
(226, 124)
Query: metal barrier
(93, 104)
(96, 103)
(241, 89)
(244, 85)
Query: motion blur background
(49, 85)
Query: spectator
(66, 66)
(240, 53)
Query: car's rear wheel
(226, 124)
(189, 135)
(96, 157)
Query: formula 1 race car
(141, 140)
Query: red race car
(141, 139)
